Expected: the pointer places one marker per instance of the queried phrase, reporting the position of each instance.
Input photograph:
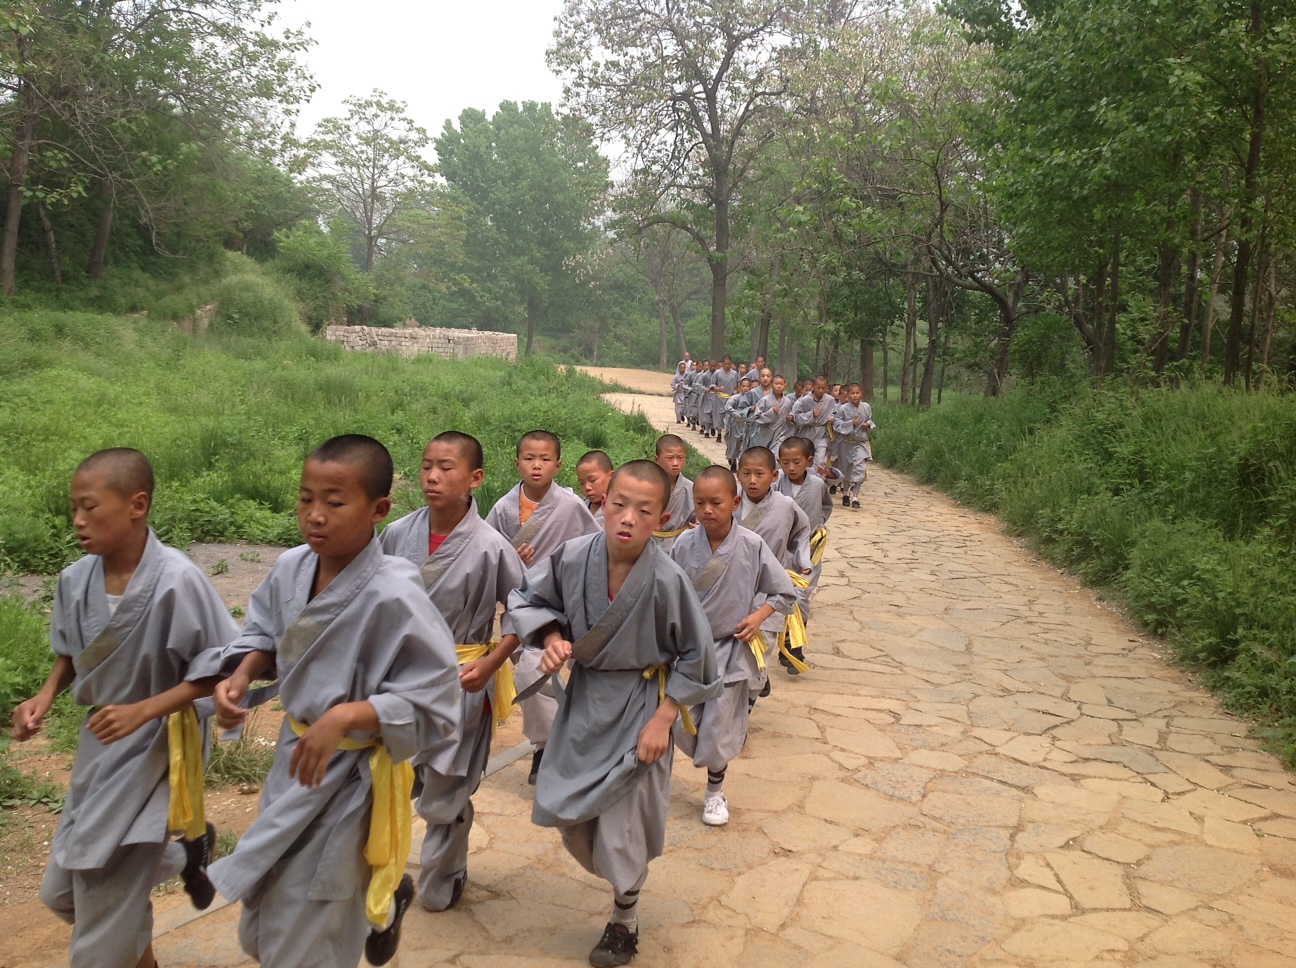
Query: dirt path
(984, 767)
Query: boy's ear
(475, 479)
(381, 508)
(139, 505)
(737, 501)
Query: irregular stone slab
(1034, 869)
(863, 739)
(1130, 925)
(936, 760)
(1165, 899)
(912, 846)
(1094, 884)
(766, 895)
(1161, 815)
(1053, 943)
(1008, 771)
(835, 908)
(1185, 936)
(1230, 836)
(1034, 838)
(972, 810)
(1203, 803)
(851, 805)
(1281, 802)
(1194, 769)
(804, 833)
(1207, 870)
(900, 780)
(1136, 760)
(1116, 848)
(1034, 903)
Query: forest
(977, 194)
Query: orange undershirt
(525, 507)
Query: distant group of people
(748, 406)
(662, 598)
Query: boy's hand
(113, 723)
(28, 716)
(746, 630)
(315, 747)
(227, 696)
(557, 651)
(655, 738)
(476, 675)
(527, 553)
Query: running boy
(537, 517)
(593, 471)
(770, 419)
(852, 422)
(467, 569)
(129, 619)
(679, 390)
(812, 415)
(741, 584)
(366, 673)
(810, 491)
(642, 649)
(785, 528)
(671, 455)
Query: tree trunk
(830, 362)
(1167, 270)
(910, 336)
(679, 328)
(944, 362)
(1262, 270)
(720, 269)
(533, 312)
(1217, 272)
(886, 361)
(99, 251)
(13, 209)
(51, 242)
(1270, 314)
(866, 367)
(1113, 309)
(934, 307)
(665, 333)
(1192, 286)
(1250, 194)
(760, 346)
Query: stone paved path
(984, 767)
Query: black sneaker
(832, 488)
(800, 656)
(380, 946)
(765, 690)
(845, 500)
(456, 892)
(617, 947)
(198, 854)
(854, 505)
(536, 757)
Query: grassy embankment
(1180, 503)
(227, 420)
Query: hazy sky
(439, 57)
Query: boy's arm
(315, 748)
(28, 716)
(229, 693)
(799, 541)
(113, 723)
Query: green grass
(1180, 502)
(228, 419)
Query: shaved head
(128, 471)
(469, 447)
(759, 455)
(371, 460)
(646, 472)
(721, 475)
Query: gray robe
(681, 511)
(706, 399)
(679, 393)
(590, 771)
(371, 635)
(472, 571)
(813, 498)
(853, 441)
(561, 516)
(108, 849)
(770, 425)
(785, 529)
(750, 577)
(814, 429)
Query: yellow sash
(390, 826)
(758, 647)
(670, 534)
(794, 634)
(184, 743)
(503, 691)
(818, 542)
(661, 673)
(722, 395)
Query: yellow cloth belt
(184, 743)
(661, 673)
(390, 825)
(758, 647)
(722, 395)
(503, 691)
(794, 634)
(818, 542)
(670, 534)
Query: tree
(688, 86)
(370, 167)
(533, 183)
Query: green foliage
(250, 301)
(20, 789)
(228, 419)
(25, 657)
(1178, 501)
(324, 278)
(243, 762)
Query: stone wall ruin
(450, 344)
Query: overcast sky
(439, 57)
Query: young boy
(679, 390)
(593, 471)
(671, 455)
(537, 517)
(467, 568)
(852, 422)
(129, 619)
(785, 529)
(366, 674)
(738, 411)
(726, 386)
(810, 491)
(770, 419)
(642, 649)
(740, 584)
(812, 415)
(706, 405)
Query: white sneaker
(715, 810)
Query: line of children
(537, 517)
